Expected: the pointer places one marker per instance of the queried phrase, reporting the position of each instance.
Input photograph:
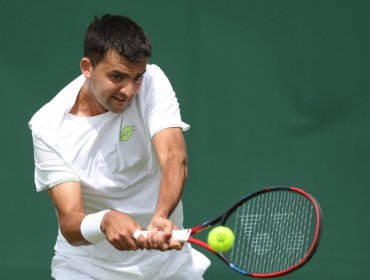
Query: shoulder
(154, 73)
(57, 106)
(155, 80)
(153, 69)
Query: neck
(86, 104)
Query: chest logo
(126, 133)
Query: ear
(86, 67)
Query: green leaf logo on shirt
(126, 133)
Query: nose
(129, 89)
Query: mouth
(120, 98)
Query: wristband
(90, 227)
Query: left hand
(160, 235)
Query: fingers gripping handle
(181, 235)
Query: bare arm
(118, 227)
(171, 152)
(67, 199)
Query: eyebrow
(125, 74)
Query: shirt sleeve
(50, 169)
(161, 107)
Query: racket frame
(221, 220)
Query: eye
(116, 77)
(139, 78)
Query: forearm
(70, 227)
(171, 152)
(174, 173)
(79, 228)
(67, 199)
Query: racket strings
(273, 231)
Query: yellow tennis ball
(221, 239)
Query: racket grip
(181, 235)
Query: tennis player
(110, 152)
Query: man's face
(114, 81)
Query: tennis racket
(277, 230)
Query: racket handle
(181, 235)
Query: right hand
(119, 229)
(160, 235)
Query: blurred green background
(277, 93)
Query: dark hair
(118, 33)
